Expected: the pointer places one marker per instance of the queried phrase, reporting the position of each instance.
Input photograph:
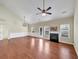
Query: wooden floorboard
(35, 48)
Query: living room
(30, 29)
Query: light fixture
(24, 23)
(43, 14)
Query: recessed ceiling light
(63, 12)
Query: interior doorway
(41, 30)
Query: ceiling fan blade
(48, 13)
(48, 8)
(39, 9)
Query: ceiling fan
(44, 11)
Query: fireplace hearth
(54, 37)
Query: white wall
(11, 23)
(76, 27)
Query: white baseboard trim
(15, 35)
(66, 42)
(75, 49)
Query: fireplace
(54, 37)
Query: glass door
(46, 32)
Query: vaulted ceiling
(28, 8)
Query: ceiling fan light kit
(43, 14)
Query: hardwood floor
(35, 48)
